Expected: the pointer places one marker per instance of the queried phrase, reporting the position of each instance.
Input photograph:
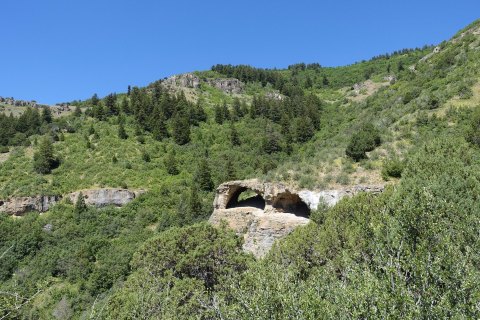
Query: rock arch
(272, 212)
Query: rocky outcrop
(18, 206)
(332, 197)
(227, 85)
(189, 80)
(105, 197)
(273, 210)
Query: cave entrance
(245, 197)
(291, 203)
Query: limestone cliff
(18, 206)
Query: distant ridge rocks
(19, 103)
(18, 206)
(192, 81)
(263, 212)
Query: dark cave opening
(244, 197)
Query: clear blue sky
(61, 50)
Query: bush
(366, 139)
(392, 168)
(4, 149)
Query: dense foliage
(411, 252)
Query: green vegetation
(411, 252)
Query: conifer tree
(44, 159)
(171, 163)
(194, 205)
(219, 115)
(122, 134)
(203, 176)
(181, 129)
(80, 205)
(77, 112)
(230, 172)
(46, 115)
(234, 138)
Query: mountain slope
(410, 253)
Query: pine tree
(94, 100)
(44, 160)
(171, 163)
(234, 138)
(230, 172)
(219, 115)
(304, 129)
(80, 205)
(181, 129)
(203, 176)
(46, 115)
(271, 141)
(77, 112)
(160, 131)
(237, 109)
(122, 134)
(194, 206)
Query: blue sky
(61, 50)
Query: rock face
(106, 197)
(186, 80)
(189, 80)
(272, 211)
(229, 85)
(18, 206)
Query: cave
(291, 203)
(244, 197)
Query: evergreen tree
(44, 159)
(234, 138)
(181, 129)
(230, 172)
(171, 164)
(111, 104)
(203, 176)
(94, 100)
(237, 109)
(122, 134)
(304, 129)
(219, 114)
(194, 206)
(46, 115)
(325, 81)
(271, 141)
(80, 205)
(77, 112)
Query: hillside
(409, 121)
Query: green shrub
(392, 168)
(4, 149)
(366, 139)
